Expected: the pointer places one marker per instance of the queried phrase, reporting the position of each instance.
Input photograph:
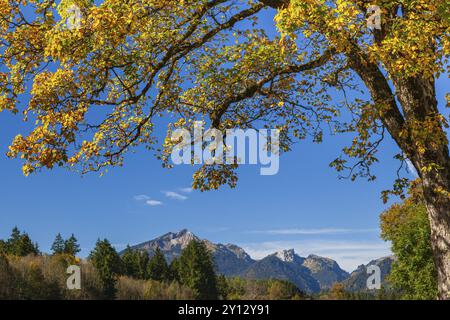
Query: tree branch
(276, 4)
(251, 90)
(381, 94)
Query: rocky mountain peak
(286, 255)
(238, 251)
(182, 238)
(358, 278)
(171, 243)
(314, 261)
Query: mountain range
(310, 274)
(357, 280)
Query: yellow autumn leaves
(132, 61)
(415, 36)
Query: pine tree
(12, 243)
(71, 246)
(15, 234)
(135, 263)
(157, 267)
(20, 244)
(196, 271)
(223, 288)
(108, 265)
(142, 261)
(173, 271)
(58, 245)
(129, 262)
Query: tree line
(27, 273)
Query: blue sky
(305, 206)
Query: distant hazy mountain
(311, 274)
(358, 278)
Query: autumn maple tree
(93, 91)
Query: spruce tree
(196, 271)
(173, 271)
(58, 244)
(20, 244)
(157, 267)
(135, 263)
(108, 265)
(129, 262)
(71, 246)
(142, 261)
(15, 235)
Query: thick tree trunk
(438, 207)
(436, 191)
(417, 97)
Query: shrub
(130, 289)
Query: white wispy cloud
(148, 201)
(321, 231)
(186, 190)
(349, 254)
(174, 195)
(154, 203)
(141, 197)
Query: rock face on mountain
(230, 259)
(326, 271)
(358, 279)
(171, 244)
(311, 274)
(285, 265)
